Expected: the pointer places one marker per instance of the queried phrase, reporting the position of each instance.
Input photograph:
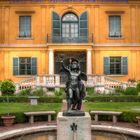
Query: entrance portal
(59, 56)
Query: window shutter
(56, 23)
(124, 65)
(107, 65)
(15, 66)
(28, 26)
(111, 26)
(117, 25)
(33, 65)
(21, 26)
(83, 27)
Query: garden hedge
(21, 118)
(127, 116)
(52, 99)
(110, 98)
(22, 99)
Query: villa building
(36, 35)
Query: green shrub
(114, 98)
(129, 116)
(38, 92)
(138, 86)
(50, 99)
(24, 99)
(126, 116)
(90, 91)
(7, 87)
(59, 92)
(131, 91)
(15, 99)
(25, 92)
(119, 90)
(21, 118)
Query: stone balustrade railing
(100, 82)
(28, 83)
(49, 81)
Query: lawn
(23, 107)
(113, 106)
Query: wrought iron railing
(60, 39)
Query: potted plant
(7, 88)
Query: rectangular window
(115, 65)
(24, 26)
(114, 26)
(25, 66)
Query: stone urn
(138, 118)
(8, 120)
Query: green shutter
(107, 65)
(83, 26)
(56, 24)
(15, 66)
(33, 66)
(124, 65)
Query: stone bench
(32, 114)
(112, 113)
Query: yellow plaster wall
(42, 21)
(133, 63)
(42, 26)
(7, 63)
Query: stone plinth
(73, 127)
(33, 100)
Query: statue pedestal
(73, 127)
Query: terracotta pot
(8, 120)
(138, 118)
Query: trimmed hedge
(123, 98)
(22, 99)
(52, 99)
(21, 118)
(126, 116)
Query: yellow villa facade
(36, 35)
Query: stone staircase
(101, 83)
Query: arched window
(70, 26)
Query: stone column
(51, 61)
(73, 127)
(89, 61)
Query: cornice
(66, 44)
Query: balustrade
(100, 82)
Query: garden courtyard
(126, 101)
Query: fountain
(73, 124)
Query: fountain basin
(95, 128)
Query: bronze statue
(75, 89)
